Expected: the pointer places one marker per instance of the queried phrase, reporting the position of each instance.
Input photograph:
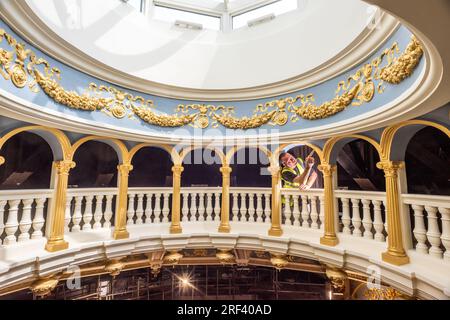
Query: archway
(427, 161)
(356, 167)
(28, 162)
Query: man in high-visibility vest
(295, 173)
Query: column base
(275, 232)
(394, 259)
(121, 234)
(176, 229)
(224, 228)
(329, 241)
(53, 246)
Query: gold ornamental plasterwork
(21, 66)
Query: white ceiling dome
(144, 46)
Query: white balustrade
(249, 204)
(149, 205)
(217, 206)
(304, 208)
(81, 213)
(431, 220)
(22, 215)
(362, 213)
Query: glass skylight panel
(171, 15)
(137, 4)
(277, 8)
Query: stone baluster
(346, 216)
(98, 213)
(420, 232)
(12, 224)
(305, 213)
(243, 207)
(445, 213)
(259, 208)
(68, 214)
(251, 207)
(157, 210)
(165, 209)
(185, 210)
(87, 216)
(108, 211)
(286, 212)
(2, 217)
(201, 206)
(25, 222)
(433, 233)
(76, 217)
(322, 211)
(149, 212)
(209, 207)
(194, 207)
(130, 211)
(378, 221)
(314, 213)
(140, 208)
(367, 220)
(356, 218)
(267, 209)
(217, 206)
(235, 209)
(38, 221)
(296, 211)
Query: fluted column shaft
(55, 240)
(120, 223)
(225, 210)
(329, 238)
(175, 226)
(275, 229)
(396, 253)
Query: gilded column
(329, 238)
(120, 224)
(57, 212)
(275, 229)
(225, 210)
(175, 227)
(396, 253)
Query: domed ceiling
(225, 54)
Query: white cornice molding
(400, 109)
(414, 279)
(21, 18)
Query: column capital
(125, 168)
(225, 170)
(177, 169)
(327, 169)
(390, 168)
(274, 170)
(2, 160)
(64, 166)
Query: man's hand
(309, 162)
(304, 187)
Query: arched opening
(356, 167)
(302, 152)
(152, 167)
(96, 166)
(427, 161)
(250, 169)
(28, 163)
(201, 169)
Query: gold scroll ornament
(20, 64)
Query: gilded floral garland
(358, 89)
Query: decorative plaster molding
(29, 26)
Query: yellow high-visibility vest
(289, 184)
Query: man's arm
(304, 177)
(312, 179)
